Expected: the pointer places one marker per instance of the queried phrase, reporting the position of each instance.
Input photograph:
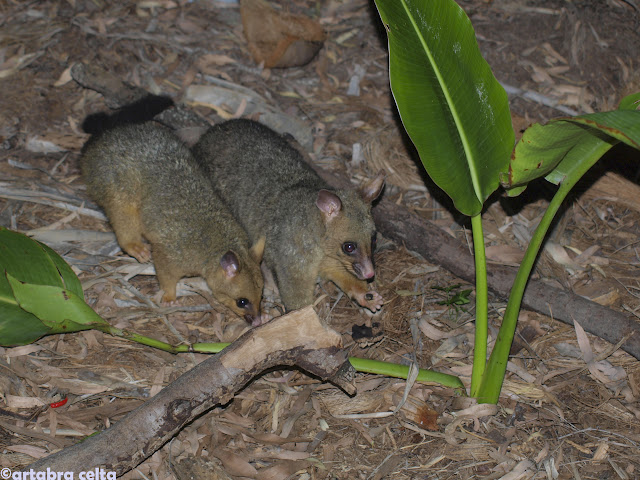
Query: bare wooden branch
(299, 339)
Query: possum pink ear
(230, 265)
(329, 204)
(372, 189)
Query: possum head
(350, 232)
(237, 282)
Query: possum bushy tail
(140, 111)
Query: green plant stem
(151, 342)
(482, 305)
(360, 364)
(402, 371)
(493, 377)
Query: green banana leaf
(31, 263)
(453, 108)
(556, 149)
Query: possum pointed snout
(364, 269)
(257, 320)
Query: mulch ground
(560, 417)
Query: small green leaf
(31, 262)
(17, 326)
(447, 289)
(28, 260)
(59, 309)
(461, 298)
(69, 278)
(554, 149)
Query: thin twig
(538, 98)
(49, 199)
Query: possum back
(254, 169)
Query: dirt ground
(559, 417)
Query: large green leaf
(623, 125)
(33, 263)
(556, 149)
(543, 147)
(451, 105)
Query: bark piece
(279, 39)
(299, 338)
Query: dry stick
(296, 339)
(45, 198)
(404, 227)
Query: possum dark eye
(349, 247)
(374, 241)
(243, 303)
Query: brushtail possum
(311, 230)
(150, 186)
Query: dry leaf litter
(569, 408)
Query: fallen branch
(296, 339)
(402, 226)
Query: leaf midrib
(450, 104)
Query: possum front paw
(371, 300)
(169, 300)
(139, 251)
(169, 294)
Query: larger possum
(312, 231)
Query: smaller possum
(150, 186)
(312, 230)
